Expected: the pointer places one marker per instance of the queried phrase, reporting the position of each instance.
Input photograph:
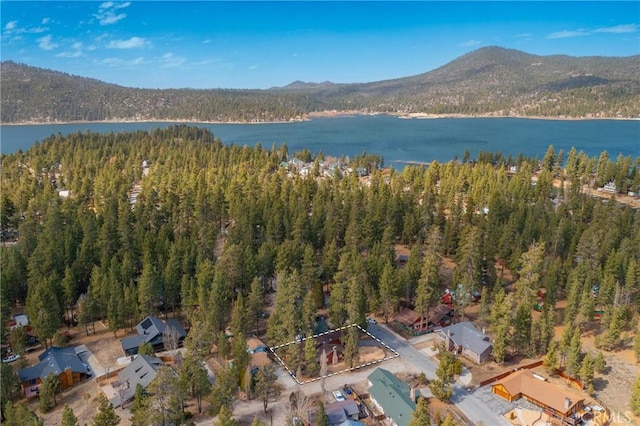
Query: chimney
(567, 403)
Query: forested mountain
(488, 81)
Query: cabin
(142, 370)
(62, 362)
(412, 322)
(557, 401)
(259, 354)
(610, 187)
(441, 316)
(392, 397)
(152, 330)
(463, 338)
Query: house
(330, 344)
(259, 354)
(464, 339)
(142, 370)
(447, 298)
(334, 352)
(62, 362)
(611, 187)
(526, 384)
(441, 316)
(415, 324)
(350, 422)
(255, 345)
(392, 397)
(412, 322)
(152, 330)
(341, 411)
(362, 172)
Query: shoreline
(319, 114)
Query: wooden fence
(507, 373)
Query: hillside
(488, 81)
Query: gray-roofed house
(62, 362)
(341, 411)
(142, 370)
(466, 340)
(151, 330)
(351, 423)
(392, 396)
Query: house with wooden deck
(558, 402)
(61, 362)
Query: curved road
(466, 401)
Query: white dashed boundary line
(368, 364)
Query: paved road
(475, 409)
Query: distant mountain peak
(298, 84)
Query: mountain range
(490, 81)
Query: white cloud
(75, 52)
(132, 43)
(122, 63)
(470, 43)
(70, 54)
(11, 25)
(45, 43)
(523, 35)
(619, 29)
(568, 33)
(12, 28)
(45, 21)
(169, 60)
(107, 12)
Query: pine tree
(48, 391)
(351, 352)
(634, 401)
(574, 354)
(311, 357)
(266, 386)
(68, 418)
(388, 291)
(551, 361)
(321, 418)
(421, 416)
(587, 370)
(225, 417)
(106, 414)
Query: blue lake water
(398, 140)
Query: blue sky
(208, 44)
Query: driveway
(88, 358)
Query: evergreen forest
(214, 229)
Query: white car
(338, 396)
(11, 358)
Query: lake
(398, 140)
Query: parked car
(347, 390)
(371, 320)
(10, 358)
(338, 396)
